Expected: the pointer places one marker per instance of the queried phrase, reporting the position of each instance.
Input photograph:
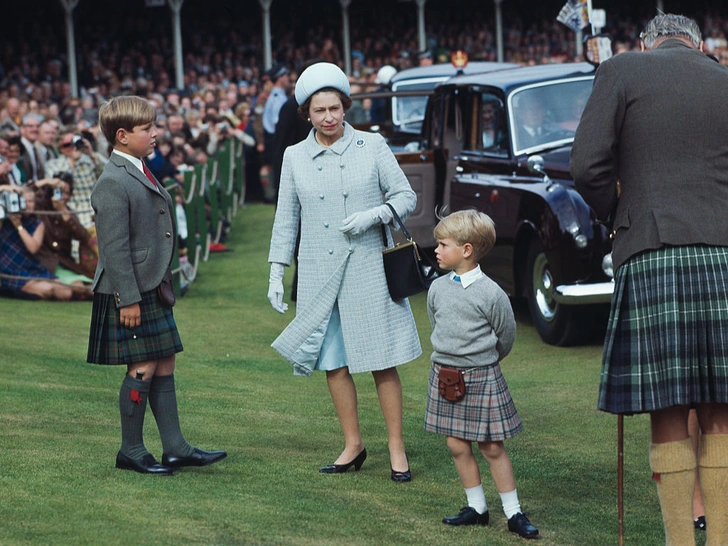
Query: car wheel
(557, 324)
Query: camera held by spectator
(11, 203)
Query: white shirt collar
(466, 279)
(134, 160)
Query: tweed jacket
(135, 230)
(320, 187)
(657, 121)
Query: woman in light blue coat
(335, 183)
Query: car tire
(557, 324)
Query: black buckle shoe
(468, 516)
(518, 523)
(699, 523)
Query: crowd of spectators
(49, 140)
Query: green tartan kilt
(667, 338)
(111, 343)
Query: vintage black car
(499, 142)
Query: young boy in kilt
(473, 329)
(130, 325)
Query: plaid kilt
(667, 338)
(485, 414)
(110, 343)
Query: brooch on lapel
(360, 143)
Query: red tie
(149, 174)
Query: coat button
(342, 165)
(326, 224)
(351, 250)
(321, 196)
(161, 211)
(54, 244)
(331, 251)
(345, 194)
(320, 167)
(168, 235)
(134, 336)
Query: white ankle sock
(511, 506)
(476, 498)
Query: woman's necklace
(315, 135)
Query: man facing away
(651, 157)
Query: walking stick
(620, 477)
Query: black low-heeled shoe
(401, 477)
(699, 523)
(341, 468)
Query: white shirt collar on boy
(466, 279)
(134, 160)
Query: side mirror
(597, 49)
(535, 165)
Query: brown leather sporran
(451, 384)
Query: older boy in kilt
(473, 329)
(130, 325)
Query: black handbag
(408, 270)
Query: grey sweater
(471, 326)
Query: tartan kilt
(485, 414)
(667, 337)
(110, 343)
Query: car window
(409, 112)
(547, 115)
(488, 126)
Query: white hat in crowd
(320, 75)
(385, 74)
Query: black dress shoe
(699, 523)
(145, 465)
(198, 458)
(468, 516)
(339, 468)
(518, 523)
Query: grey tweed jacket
(135, 230)
(320, 187)
(658, 122)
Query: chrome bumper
(583, 294)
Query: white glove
(275, 287)
(359, 222)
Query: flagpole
(588, 12)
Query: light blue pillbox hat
(320, 75)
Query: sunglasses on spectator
(66, 144)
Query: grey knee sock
(163, 401)
(132, 407)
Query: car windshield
(547, 115)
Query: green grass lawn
(59, 434)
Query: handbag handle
(400, 222)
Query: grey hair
(669, 25)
